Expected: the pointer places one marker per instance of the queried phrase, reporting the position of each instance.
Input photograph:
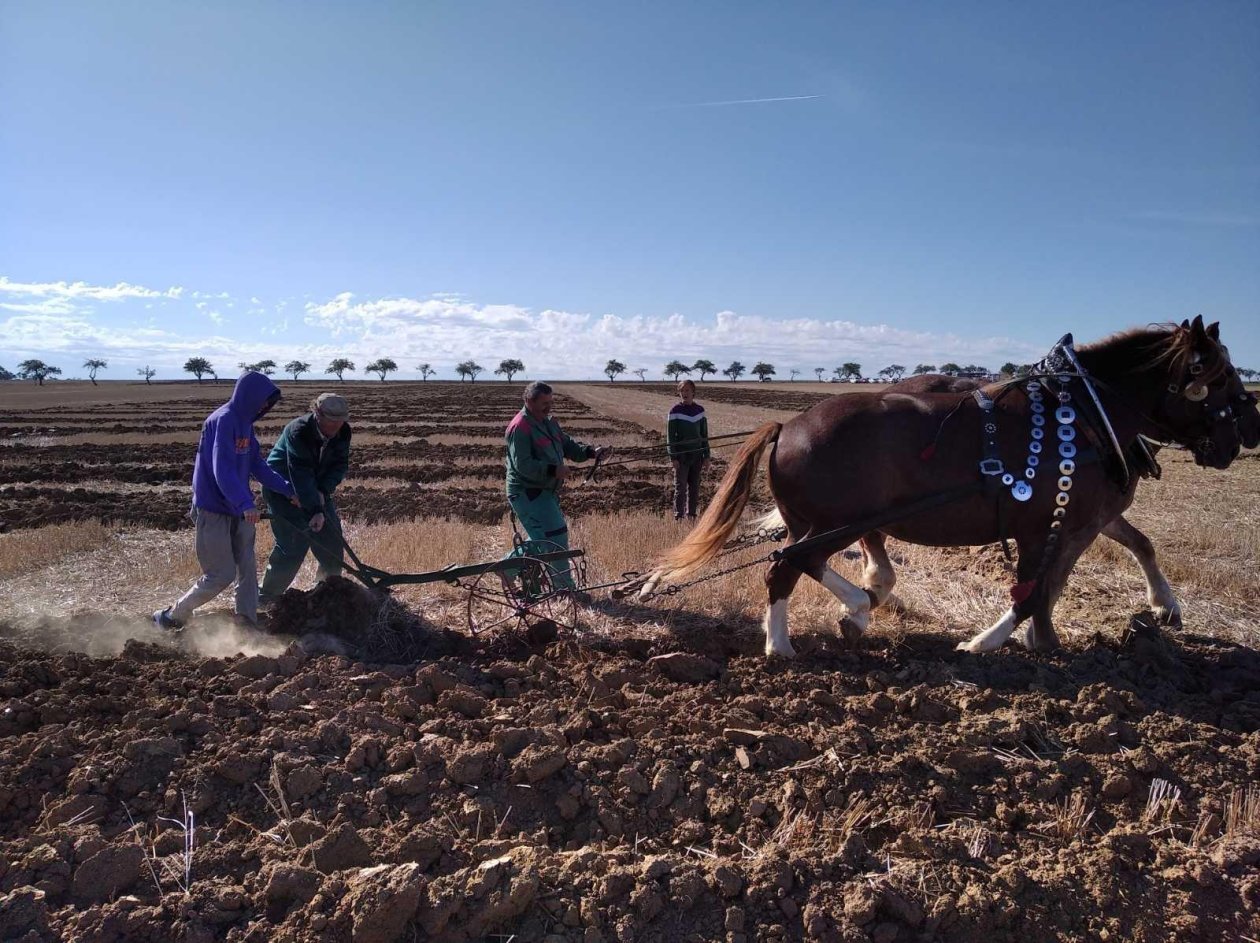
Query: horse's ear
(1185, 324)
(1197, 333)
(1214, 331)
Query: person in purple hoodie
(223, 504)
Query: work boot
(162, 619)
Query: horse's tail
(722, 515)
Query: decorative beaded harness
(1051, 387)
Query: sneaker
(162, 619)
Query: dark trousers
(687, 488)
(294, 541)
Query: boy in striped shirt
(688, 441)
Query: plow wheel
(524, 594)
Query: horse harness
(1049, 383)
(1052, 379)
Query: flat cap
(332, 406)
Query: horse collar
(1063, 362)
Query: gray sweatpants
(225, 550)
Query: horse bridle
(1194, 390)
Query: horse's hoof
(851, 631)
(1169, 617)
(787, 654)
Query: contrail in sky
(745, 101)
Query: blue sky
(569, 182)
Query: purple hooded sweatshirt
(228, 453)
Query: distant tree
(924, 368)
(37, 370)
(893, 372)
(381, 367)
(763, 371)
(148, 373)
(509, 368)
(951, 369)
(5, 374)
(425, 371)
(818, 372)
(1247, 373)
(641, 373)
(675, 368)
(339, 367)
(266, 367)
(92, 366)
(849, 371)
(793, 374)
(613, 368)
(704, 368)
(469, 369)
(975, 368)
(297, 368)
(198, 367)
(734, 371)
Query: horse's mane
(1167, 346)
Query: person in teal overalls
(536, 452)
(313, 452)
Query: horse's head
(1196, 407)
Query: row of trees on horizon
(469, 370)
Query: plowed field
(648, 777)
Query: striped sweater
(688, 433)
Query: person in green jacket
(313, 452)
(687, 438)
(536, 451)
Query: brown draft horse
(853, 455)
(878, 576)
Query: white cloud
(51, 306)
(567, 344)
(76, 290)
(60, 320)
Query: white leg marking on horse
(777, 643)
(991, 639)
(1159, 595)
(1024, 634)
(879, 576)
(853, 598)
